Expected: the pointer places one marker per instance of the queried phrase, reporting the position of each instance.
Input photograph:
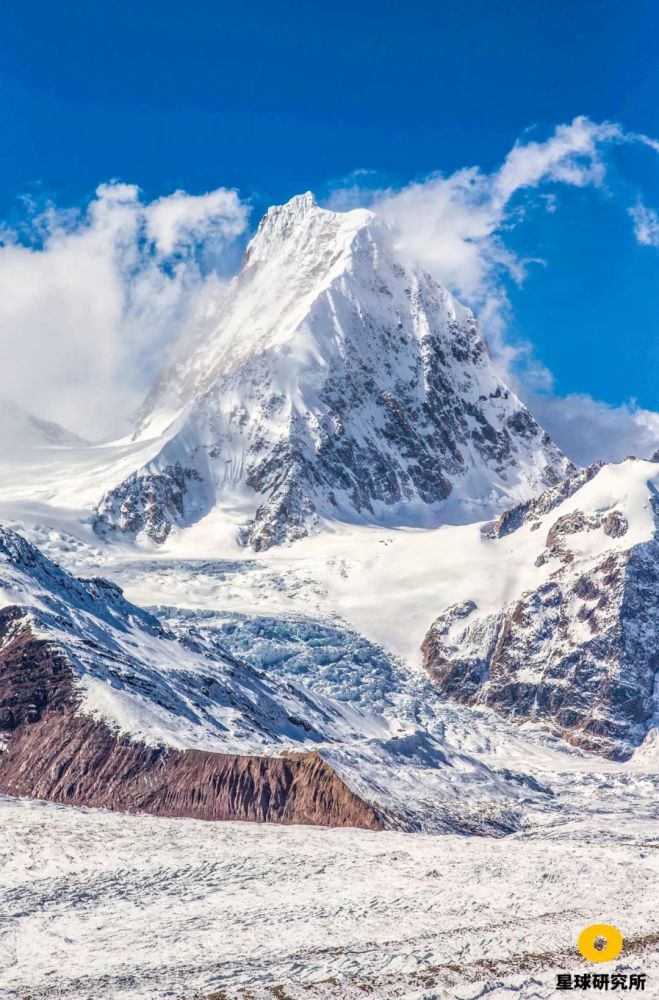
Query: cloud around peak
(91, 298)
(456, 224)
(459, 225)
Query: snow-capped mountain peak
(302, 224)
(332, 382)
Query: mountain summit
(331, 380)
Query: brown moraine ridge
(54, 752)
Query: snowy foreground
(110, 906)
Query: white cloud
(646, 225)
(90, 300)
(572, 155)
(180, 219)
(456, 224)
(588, 429)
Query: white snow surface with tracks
(116, 907)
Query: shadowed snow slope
(329, 380)
(21, 431)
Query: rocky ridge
(53, 751)
(103, 703)
(61, 741)
(580, 648)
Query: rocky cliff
(578, 646)
(103, 703)
(53, 751)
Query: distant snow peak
(20, 430)
(333, 383)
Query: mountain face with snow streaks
(579, 646)
(330, 381)
(102, 706)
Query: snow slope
(578, 644)
(179, 684)
(583, 553)
(21, 431)
(399, 915)
(332, 387)
(352, 571)
(137, 676)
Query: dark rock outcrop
(615, 524)
(52, 751)
(578, 647)
(148, 503)
(532, 510)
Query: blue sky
(277, 99)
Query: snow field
(135, 908)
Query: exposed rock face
(531, 511)
(581, 649)
(51, 751)
(125, 653)
(102, 703)
(63, 636)
(148, 504)
(616, 524)
(359, 390)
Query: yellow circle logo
(600, 943)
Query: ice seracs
(103, 703)
(329, 380)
